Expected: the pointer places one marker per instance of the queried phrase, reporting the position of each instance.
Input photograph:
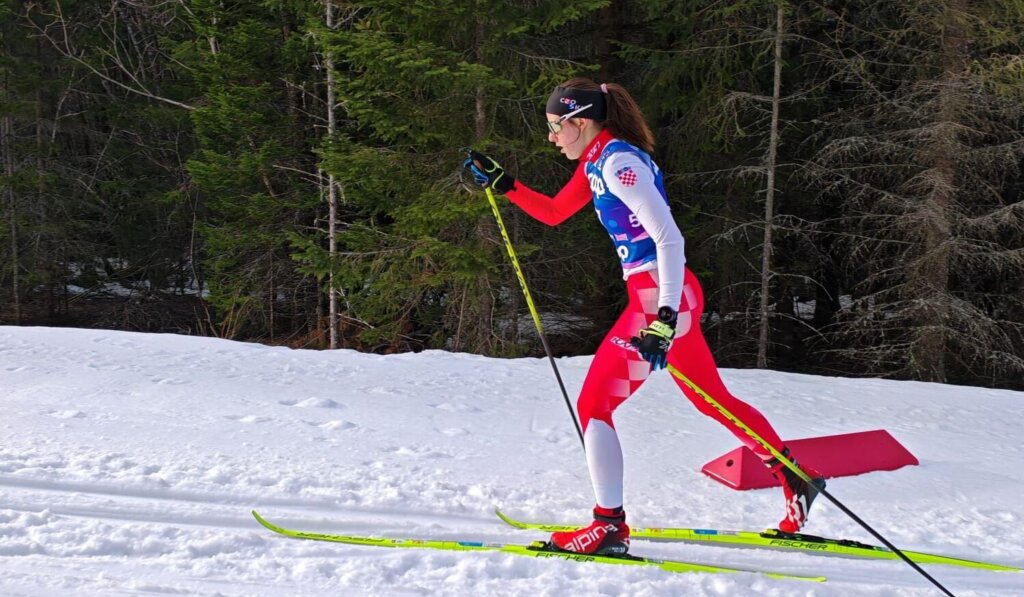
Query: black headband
(564, 100)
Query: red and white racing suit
(625, 187)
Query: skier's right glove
(487, 172)
(654, 341)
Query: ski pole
(533, 309)
(796, 469)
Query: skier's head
(579, 108)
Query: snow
(129, 464)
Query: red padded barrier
(832, 455)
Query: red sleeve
(573, 196)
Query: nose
(551, 136)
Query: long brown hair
(625, 120)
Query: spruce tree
(421, 261)
(252, 162)
(924, 159)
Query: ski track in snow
(129, 464)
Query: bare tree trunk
(214, 44)
(7, 149)
(928, 351)
(486, 228)
(769, 202)
(273, 296)
(332, 191)
(9, 165)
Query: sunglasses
(555, 126)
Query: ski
(774, 539)
(538, 549)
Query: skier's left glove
(654, 340)
(487, 172)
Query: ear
(588, 124)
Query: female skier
(603, 128)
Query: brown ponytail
(624, 120)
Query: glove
(487, 172)
(654, 340)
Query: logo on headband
(569, 102)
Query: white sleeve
(643, 198)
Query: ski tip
(507, 520)
(263, 521)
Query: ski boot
(799, 494)
(607, 535)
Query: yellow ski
(538, 549)
(773, 539)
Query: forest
(847, 174)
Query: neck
(595, 144)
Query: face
(574, 136)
